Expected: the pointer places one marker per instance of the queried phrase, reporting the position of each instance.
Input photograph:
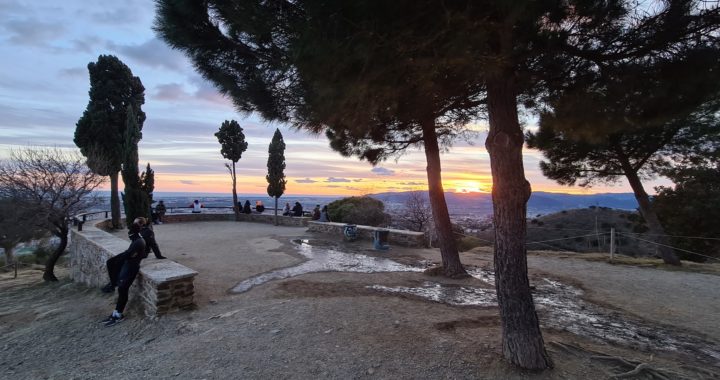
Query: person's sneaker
(160, 257)
(108, 319)
(114, 321)
(109, 288)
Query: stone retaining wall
(268, 218)
(161, 286)
(398, 237)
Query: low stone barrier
(254, 217)
(398, 237)
(161, 286)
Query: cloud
(187, 182)
(333, 179)
(357, 180)
(412, 183)
(153, 53)
(32, 32)
(170, 91)
(127, 14)
(75, 72)
(87, 44)
(306, 180)
(383, 171)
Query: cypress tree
(232, 145)
(276, 167)
(100, 131)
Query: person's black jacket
(297, 210)
(246, 208)
(150, 243)
(136, 251)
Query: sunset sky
(45, 48)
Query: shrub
(358, 210)
(467, 243)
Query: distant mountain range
(480, 204)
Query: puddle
(327, 259)
(560, 307)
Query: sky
(45, 48)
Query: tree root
(637, 368)
(634, 369)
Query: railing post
(84, 216)
(612, 243)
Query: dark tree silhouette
(232, 145)
(276, 169)
(100, 132)
(690, 211)
(135, 199)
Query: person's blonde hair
(140, 221)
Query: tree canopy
(630, 121)
(100, 131)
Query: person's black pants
(114, 265)
(126, 277)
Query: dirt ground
(331, 325)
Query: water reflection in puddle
(560, 306)
(327, 259)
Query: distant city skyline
(44, 90)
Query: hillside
(585, 230)
(464, 205)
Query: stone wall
(398, 237)
(161, 286)
(268, 218)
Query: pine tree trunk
(62, 233)
(522, 339)
(448, 248)
(236, 208)
(651, 218)
(114, 201)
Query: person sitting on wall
(160, 210)
(297, 210)
(286, 210)
(259, 206)
(316, 213)
(196, 207)
(122, 270)
(324, 217)
(246, 208)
